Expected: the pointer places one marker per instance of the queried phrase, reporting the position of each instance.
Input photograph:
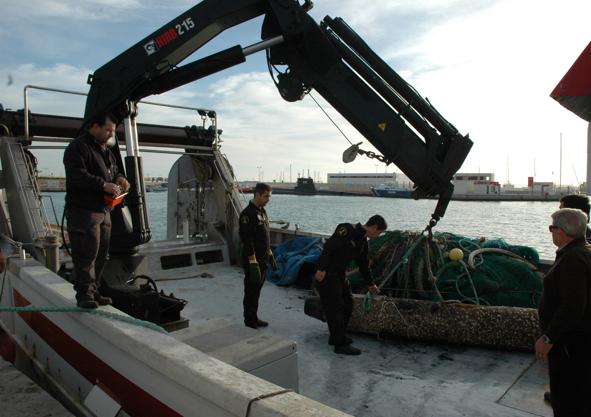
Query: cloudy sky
(488, 66)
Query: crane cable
(329, 118)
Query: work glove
(254, 273)
(272, 261)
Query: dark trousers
(89, 234)
(570, 378)
(337, 303)
(252, 292)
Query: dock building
(363, 182)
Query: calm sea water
(519, 223)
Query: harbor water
(519, 223)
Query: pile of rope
(418, 266)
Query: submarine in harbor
(306, 186)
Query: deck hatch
(209, 257)
(175, 261)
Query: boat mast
(560, 175)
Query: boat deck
(392, 377)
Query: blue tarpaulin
(291, 255)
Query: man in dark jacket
(580, 202)
(256, 252)
(91, 174)
(347, 243)
(565, 316)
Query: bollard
(51, 245)
(185, 230)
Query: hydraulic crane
(328, 57)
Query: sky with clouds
(488, 66)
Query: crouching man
(347, 243)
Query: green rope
(466, 243)
(466, 272)
(404, 260)
(367, 302)
(432, 277)
(96, 312)
(476, 300)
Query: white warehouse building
(476, 183)
(362, 182)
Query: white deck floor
(391, 377)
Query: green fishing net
(405, 264)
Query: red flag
(574, 90)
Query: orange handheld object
(111, 201)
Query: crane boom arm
(328, 57)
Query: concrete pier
(21, 397)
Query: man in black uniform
(256, 252)
(565, 316)
(347, 243)
(91, 174)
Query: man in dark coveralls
(91, 173)
(347, 243)
(256, 252)
(565, 316)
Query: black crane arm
(333, 60)
(329, 58)
(152, 62)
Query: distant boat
(245, 189)
(391, 190)
(163, 186)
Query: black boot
(348, 341)
(102, 301)
(86, 302)
(261, 323)
(347, 350)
